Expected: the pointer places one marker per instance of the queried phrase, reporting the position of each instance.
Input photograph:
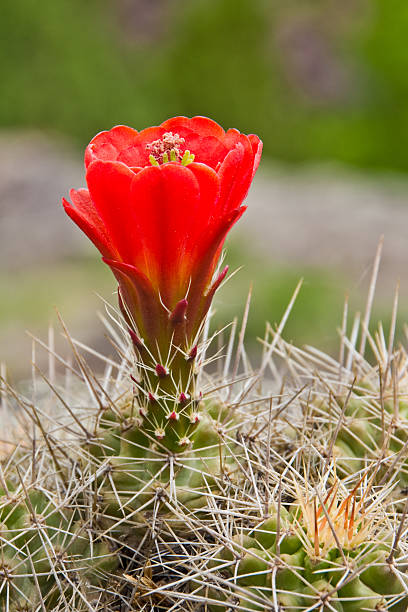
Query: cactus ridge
(50, 551)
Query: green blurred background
(324, 83)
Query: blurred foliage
(317, 80)
(317, 310)
(63, 68)
(29, 296)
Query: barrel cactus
(158, 486)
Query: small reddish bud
(218, 281)
(194, 418)
(183, 399)
(184, 441)
(179, 313)
(159, 433)
(173, 416)
(193, 353)
(152, 399)
(137, 342)
(161, 371)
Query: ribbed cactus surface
(289, 496)
(138, 477)
(47, 548)
(72, 510)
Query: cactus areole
(159, 205)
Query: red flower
(158, 207)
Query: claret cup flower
(159, 205)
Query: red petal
(85, 216)
(209, 254)
(232, 137)
(209, 185)
(110, 189)
(156, 218)
(203, 137)
(207, 150)
(83, 204)
(235, 174)
(216, 235)
(202, 125)
(108, 145)
(171, 201)
(135, 156)
(151, 133)
(140, 298)
(143, 284)
(257, 150)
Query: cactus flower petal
(159, 205)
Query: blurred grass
(317, 310)
(63, 68)
(31, 296)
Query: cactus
(138, 477)
(159, 213)
(51, 554)
(115, 483)
(156, 488)
(235, 519)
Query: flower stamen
(187, 158)
(168, 148)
